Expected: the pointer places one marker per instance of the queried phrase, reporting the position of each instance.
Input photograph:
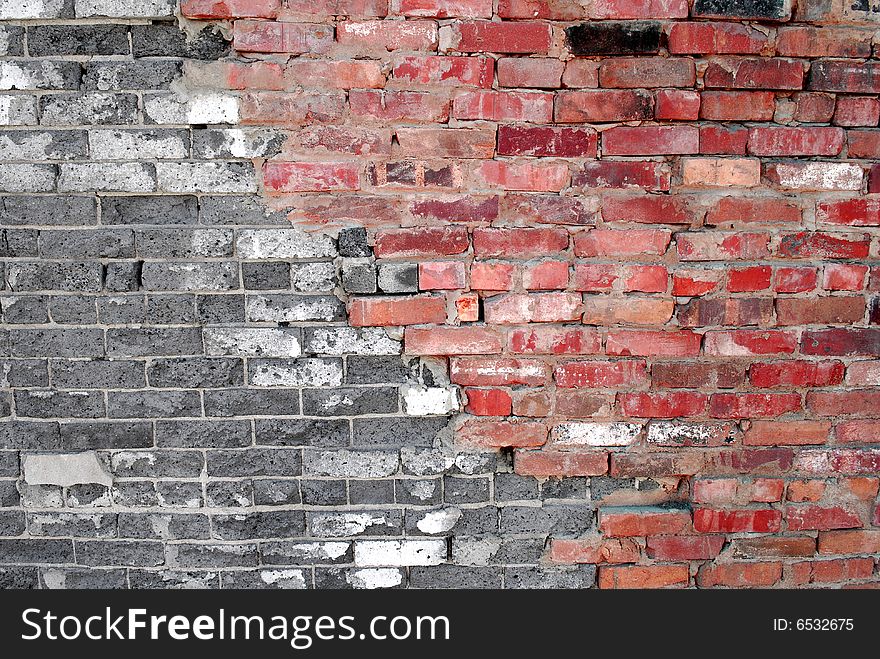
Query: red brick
(499, 372)
(864, 143)
(519, 243)
(787, 433)
(442, 8)
(532, 308)
(444, 142)
(753, 520)
(851, 77)
(732, 490)
(641, 72)
(754, 278)
(440, 70)
(492, 276)
(806, 490)
(310, 176)
(388, 35)
(650, 140)
(363, 74)
(580, 73)
(715, 38)
(689, 375)
(254, 75)
(543, 73)
(634, 522)
(604, 310)
(358, 8)
(629, 242)
(295, 38)
(795, 280)
(677, 105)
(754, 73)
(342, 139)
(550, 209)
(796, 373)
(398, 105)
(858, 432)
(501, 434)
(735, 210)
(593, 550)
(649, 343)
(546, 276)
(853, 212)
(646, 279)
(684, 548)
(813, 107)
(467, 308)
(599, 106)
(725, 311)
(524, 176)
(441, 275)
(687, 283)
(860, 402)
(841, 341)
(558, 463)
(533, 107)
(716, 246)
(659, 465)
(547, 141)
(421, 242)
(378, 311)
(823, 245)
(774, 547)
(488, 402)
(817, 518)
(501, 37)
(747, 406)
(532, 403)
(452, 341)
(291, 109)
(643, 576)
(602, 374)
(230, 8)
(844, 277)
(827, 41)
(739, 575)
(850, 542)
(648, 175)
(831, 571)
(738, 106)
(855, 111)
(780, 141)
(864, 373)
(651, 209)
(627, 9)
(719, 139)
(822, 310)
(555, 341)
(662, 405)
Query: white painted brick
(27, 178)
(125, 8)
(372, 578)
(136, 145)
(207, 109)
(284, 244)
(345, 463)
(595, 434)
(341, 525)
(352, 341)
(105, 177)
(18, 110)
(213, 177)
(301, 373)
(399, 552)
(291, 579)
(820, 176)
(252, 341)
(426, 401)
(39, 74)
(27, 9)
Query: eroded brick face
(439, 293)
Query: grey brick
(53, 276)
(59, 404)
(251, 402)
(354, 523)
(564, 488)
(135, 494)
(61, 210)
(88, 109)
(350, 340)
(371, 492)
(287, 579)
(238, 210)
(29, 435)
(122, 309)
(18, 110)
(323, 492)
(315, 372)
(167, 40)
(88, 495)
(513, 487)
(465, 490)
(285, 308)
(157, 464)
(172, 580)
(255, 462)
(454, 576)
(418, 491)
(184, 243)
(397, 431)
(27, 178)
(115, 144)
(5, 404)
(164, 526)
(53, 40)
(44, 145)
(477, 521)
(36, 551)
(212, 177)
(120, 552)
(193, 372)
(164, 209)
(9, 464)
(73, 309)
(87, 244)
(24, 373)
(203, 434)
(320, 433)
(580, 576)
(398, 277)
(97, 374)
(83, 525)
(41, 496)
(216, 143)
(107, 177)
(215, 276)
(25, 309)
(152, 404)
(18, 242)
(519, 550)
(253, 341)
(123, 276)
(276, 492)
(343, 578)
(220, 309)
(266, 276)
(11, 523)
(73, 342)
(348, 401)
(258, 525)
(560, 521)
(359, 275)
(377, 370)
(41, 74)
(171, 309)
(179, 494)
(212, 556)
(313, 277)
(106, 435)
(153, 341)
(229, 494)
(114, 76)
(83, 579)
(18, 578)
(353, 242)
(12, 40)
(306, 553)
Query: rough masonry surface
(439, 293)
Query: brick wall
(438, 293)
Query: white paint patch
(595, 434)
(372, 578)
(399, 552)
(65, 469)
(252, 342)
(293, 579)
(439, 521)
(419, 400)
